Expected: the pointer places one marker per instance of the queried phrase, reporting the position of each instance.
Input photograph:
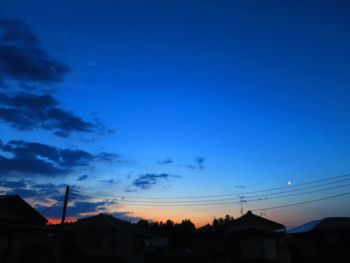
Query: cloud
(110, 181)
(77, 208)
(167, 160)
(88, 206)
(25, 66)
(126, 216)
(14, 184)
(83, 177)
(22, 58)
(146, 181)
(23, 192)
(190, 166)
(45, 194)
(198, 164)
(27, 188)
(31, 158)
(26, 111)
(17, 31)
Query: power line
(53, 205)
(229, 200)
(218, 195)
(248, 198)
(298, 194)
(239, 197)
(153, 204)
(301, 203)
(301, 189)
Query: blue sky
(258, 90)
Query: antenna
(241, 200)
(132, 212)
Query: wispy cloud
(27, 189)
(83, 177)
(110, 181)
(198, 164)
(146, 181)
(167, 160)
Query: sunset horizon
(160, 110)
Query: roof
(304, 228)
(206, 230)
(105, 222)
(250, 221)
(327, 223)
(13, 209)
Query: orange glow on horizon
(55, 221)
(200, 218)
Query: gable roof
(105, 222)
(250, 221)
(13, 209)
(327, 223)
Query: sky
(131, 102)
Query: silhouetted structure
(103, 238)
(171, 241)
(15, 211)
(249, 238)
(24, 236)
(326, 240)
(252, 238)
(206, 243)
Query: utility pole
(59, 235)
(66, 197)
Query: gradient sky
(174, 98)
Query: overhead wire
(297, 188)
(218, 195)
(53, 205)
(229, 200)
(301, 203)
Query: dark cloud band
(26, 111)
(23, 59)
(30, 158)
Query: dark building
(252, 238)
(249, 238)
(325, 240)
(24, 236)
(103, 238)
(206, 244)
(15, 211)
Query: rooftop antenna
(132, 212)
(241, 200)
